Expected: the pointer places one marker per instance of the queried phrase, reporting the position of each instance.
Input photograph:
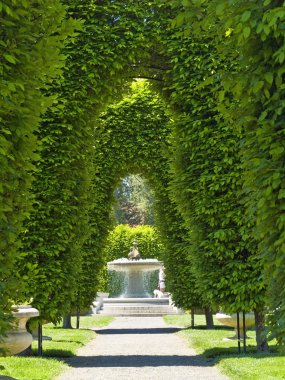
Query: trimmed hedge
(121, 239)
(251, 35)
(32, 37)
(220, 66)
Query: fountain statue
(135, 270)
(134, 252)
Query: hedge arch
(131, 138)
(71, 217)
(101, 61)
(115, 42)
(134, 137)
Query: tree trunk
(209, 318)
(77, 318)
(192, 317)
(261, 341)
(66, 323)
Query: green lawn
(211, 344)
(30, 368)
(64, 344)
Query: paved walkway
(139, 348)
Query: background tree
(134, 202)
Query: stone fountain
(135, 270)
(137, 298)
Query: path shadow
(56, 353)
(221, 353)
(203, 327)
(139, 361)
(162, 330)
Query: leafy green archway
(132, 137)
(100, 63)
(71, 209)
(115, 42)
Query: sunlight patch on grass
(184, 320)
(211, 343)
(31, 368)
(259, 367)
(92, 321)
(65, 342)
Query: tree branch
(146, 77)
(152, 67)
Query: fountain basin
(134, 265)
(231, 321)
(135, 275)
(19, 338)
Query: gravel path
(139, 348)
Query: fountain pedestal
(135, 286)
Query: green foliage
(220, 66)
(120, 241)
(253, 34)
(206, 172)
(32, 36)
(141, 116)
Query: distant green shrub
(121, 239)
